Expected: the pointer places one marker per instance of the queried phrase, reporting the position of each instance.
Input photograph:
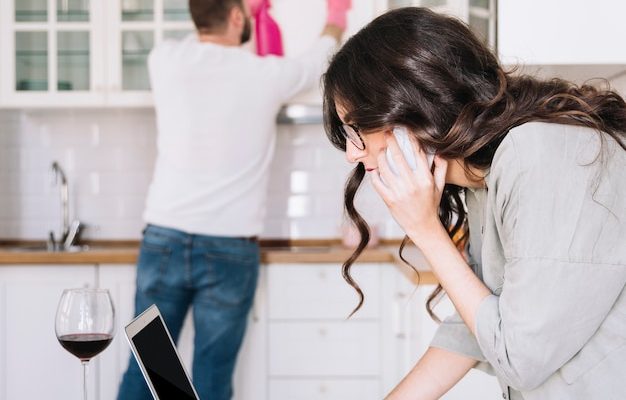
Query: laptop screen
(161, 362)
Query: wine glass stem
(84, 379)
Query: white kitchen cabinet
(89, 53)
(311, 342)
(296, 290)
(120, 281)
(318, 349)
(480, 15)
(33, 365)
(134, 27)
(412, 332)
(69, 53)
(3, 324)
(298, 345)
(323, 389)
(556, 32)
(52, 53)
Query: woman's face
(375, 143)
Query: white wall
(109, 154)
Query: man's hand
(253, 6)
(337, 12)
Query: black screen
(161, 362)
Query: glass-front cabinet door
(54, 52)
(480, 15)
(73, 53)
(137, 27)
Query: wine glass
(84, 324)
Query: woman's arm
(560, 284)
(462, 286)
(413, 198)
(434, 374)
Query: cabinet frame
(115, 95)
(105, 28)
(12, 98)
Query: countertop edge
(335, 254)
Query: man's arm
(337, 18)
(434, 374)
(333, 31)
(293, 75)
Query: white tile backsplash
(109, 155)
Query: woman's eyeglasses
(351, 132)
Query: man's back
(216, 109)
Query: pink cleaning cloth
(268, 37)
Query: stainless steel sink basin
(42, 248)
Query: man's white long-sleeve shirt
(216, 108)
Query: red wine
(85, 345)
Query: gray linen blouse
(548, 237)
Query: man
(216, 106)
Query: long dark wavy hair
(429, 72)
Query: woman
(533, 171)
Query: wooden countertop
(128, 255)
(304, 252)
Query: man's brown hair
(210, 16)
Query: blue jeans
(217, 277)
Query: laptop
(156, 354)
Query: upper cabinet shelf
(93, 53)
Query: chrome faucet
(69, 231)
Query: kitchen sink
(42, 248)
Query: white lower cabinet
(33, 365)
(120, 280)
(315, 352)
(3, 328)
(250, 381)
(412, 332)
(299, 344)
(325, 348)
(323, 389)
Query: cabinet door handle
(397, 318)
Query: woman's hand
(412, 196)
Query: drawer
(318, 291)
(324, 389)
(349, 349)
